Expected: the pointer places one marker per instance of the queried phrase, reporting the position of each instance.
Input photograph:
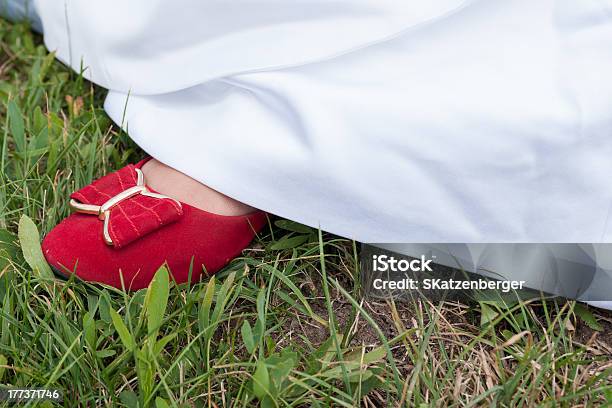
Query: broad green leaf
(373, 382)
(261, 305)
(160, 403)
(293, 226)
(247, 337)
(259, 330)
(89, 330)
(129, 398)
(354, 363)
(204, 312)
(159, 346)
(281, 366)
(358, 376)
(288, 242)
(156, 300)
(8, 248)
(104, 307)
(39, 120)
(487, 314)
(261, 380)
(208, 322)
(105, 353)
(30, 245)
(122, 330)
(46, 64)
(144, 370)
(327, 350)
(223, 296)
(32, 153)
(3, 362)
(41, 141)
(586, 316)
(17, 126)
(355, 372)
(377, 354)
(5, 326)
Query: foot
(121, 234)
(175, 184)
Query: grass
(283, 325)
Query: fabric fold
(156, 46)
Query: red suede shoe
(122, 228)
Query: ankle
(175, 184)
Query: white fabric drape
(379, 120)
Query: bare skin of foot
(175, 184)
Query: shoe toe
(199, 242)
(60, 243)
(76, 246)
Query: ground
(284, 324)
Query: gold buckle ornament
(103, 211)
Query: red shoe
(123, 228)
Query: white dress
(378, 120)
